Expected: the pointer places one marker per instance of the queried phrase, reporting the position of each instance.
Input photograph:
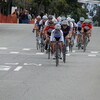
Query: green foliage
(58, 7)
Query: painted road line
(94, 52)
(91, 55)
(30, 64)
(68, 54)
(11, 63)
(18, 68)
(14, 52)
(4, 68)
(39, 53)
(73, 51)
(26, 49)
(3, 48)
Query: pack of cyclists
(62, 29)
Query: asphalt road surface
(27, 74)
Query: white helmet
(58, 26)
(82, 19)
(59, 18)
(45, 17)
(87, 21)
(68, 19)
(72, 20)
(63, 18)
(54, 20)
(65, 22)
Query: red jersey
(49, 29)
(87, 27)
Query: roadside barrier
(11, 19)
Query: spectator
(25, 19)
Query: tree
(58, 7)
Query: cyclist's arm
(62, 37)
(52, 36)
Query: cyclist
(50, 17)
(59, 20)
(75, 27)
(42, 23)
(48, 30)
(70, 24)
(79, 24)
(54, 20)
(37, 25)
(66, 31)
(87, 29)
(57, 34)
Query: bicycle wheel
(85, 44)
(57, 55)
(42, 45)
(71, 44)
(48, 51)
(64, 53)
(79, 42)
(37, 43)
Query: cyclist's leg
(53, 49)
(47, 41)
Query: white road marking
(40, 53)
(3, 48)
(91, 55)
(4, 68)
(26, 49)
(30, 64)
(14, 52)
(94, 52)
(11, 63)
(18, 68)
(67, 54)
(73, 51)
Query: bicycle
(42, 44)
(64, 51)
(57, 51)
(79, 41)
(49, 50)
(71, 44)
(37, 39)
(86, 41)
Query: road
(27, 74)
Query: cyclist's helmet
(64, 22)
(45, 17)
(59, 18)
(63, 18)
(82, 19)
(57, 26)
(51, 22)
(38, 17)
(68, 19)
(87, 21)
(50, 17)
(54, 20)
(72, 20)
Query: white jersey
(46, 23)
(75, 25)
(56, 35)
(70, 24)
